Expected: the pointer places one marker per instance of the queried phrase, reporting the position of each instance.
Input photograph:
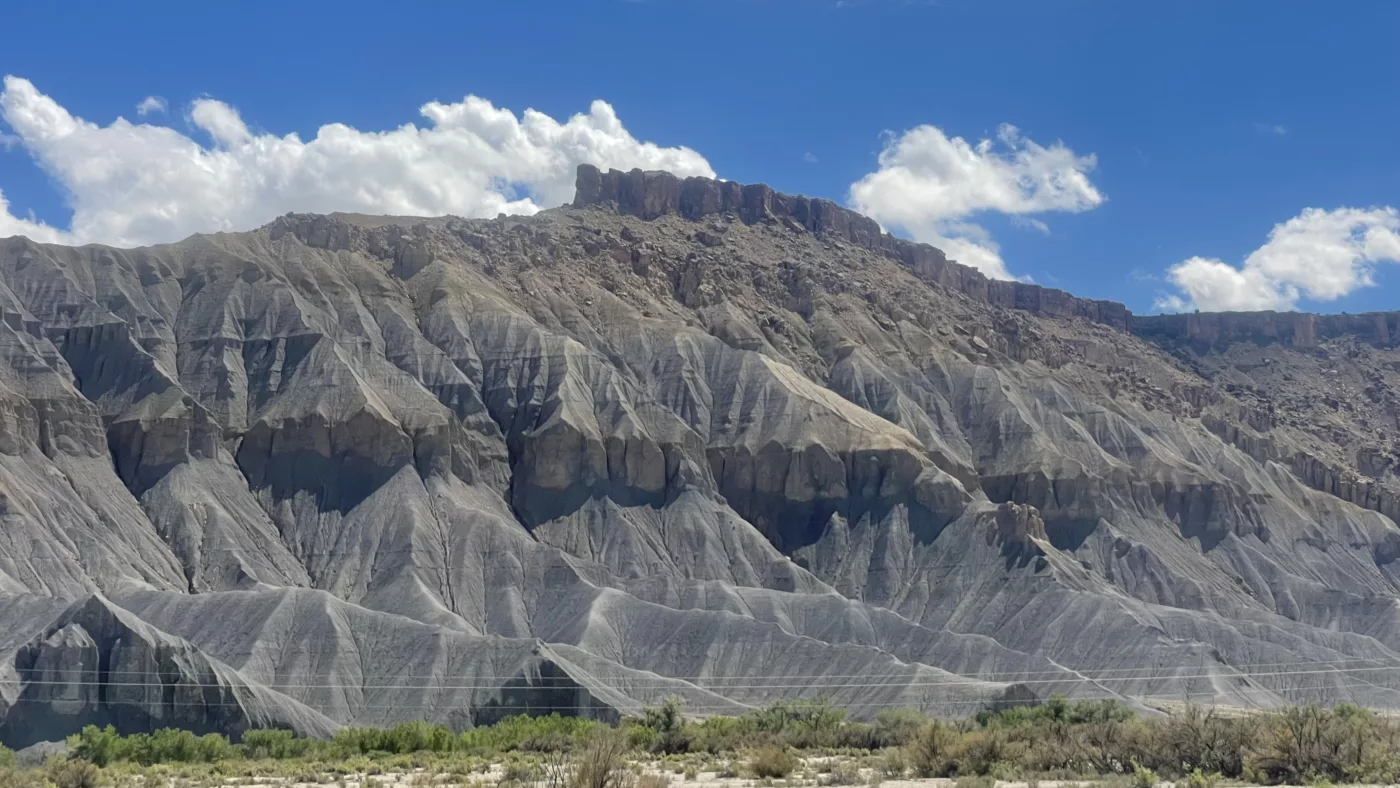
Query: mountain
(681, 438)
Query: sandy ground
(808, 776)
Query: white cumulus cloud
(11, 225)
(132, 184)
(1318, 254)
(928, 184)
(151, 104)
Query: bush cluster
(1194, 747)
(103, 746)
(773, 763)
(800, 724)
(1296, 745)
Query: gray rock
(348, 470)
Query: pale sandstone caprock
(682, 438)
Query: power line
(960, 682)
(1003, 677)
(985, 703)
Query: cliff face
(1296, 329)
(649, 195)
(687, 438)
(1319, 394)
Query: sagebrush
(1193, 748)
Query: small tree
(669, 726)
(100, 746)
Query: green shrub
(800, 723)
(12, 777)
(104, 746)
(772, 763)
(1143, 777)
(854, 736)
(933, 750)
(272, 743)
(521, 772)
(522, 732)
(986, 751)
(1055, 709)
(404, 738)
(719, 734)
(1062, 738)
(668, 726)
(170, 745)
(893, 764)
(98, 745)
(897, 727)
(638, 736)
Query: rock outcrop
(1295, 329)
(649, 195)
(1318, 394)
(101, 665)
(685, 438)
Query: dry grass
(72, 773)
(604, 763)
(772, 763)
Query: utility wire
(1003, 677)
(985, 703)
(961, 682)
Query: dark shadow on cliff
(551, 692)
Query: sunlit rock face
(681, 438)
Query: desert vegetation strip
(798, 743)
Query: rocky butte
(681, 438)
(649, 195)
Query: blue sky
(1150, 134)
